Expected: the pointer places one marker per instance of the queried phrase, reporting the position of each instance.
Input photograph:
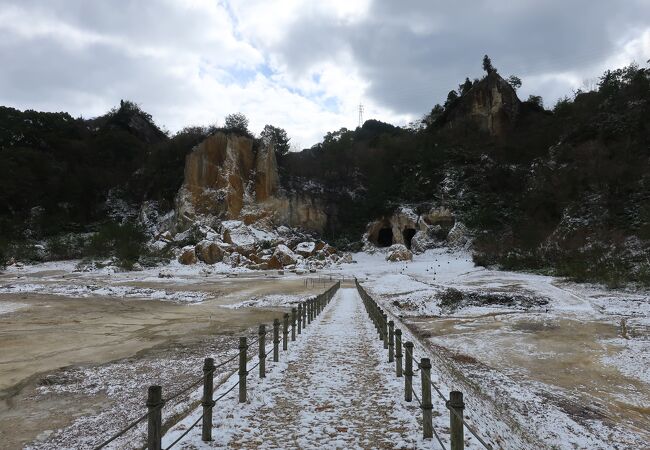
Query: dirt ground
(50, 336)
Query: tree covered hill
(565, 189)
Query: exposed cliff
(226, 179)
(491, 104)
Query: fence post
(276, 340)
(310, 310)
(293, 324)
(285, 331)
(299, 318)
(391, 341)
(427, 424)
(398, 352)
(456, 431)
(408, 371)
(262, 351)
(304, 314)
(208, 381)
(154, 425)
(243, 346)
(384, 325)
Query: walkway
(332, 389)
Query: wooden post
(309, 311)
(276, 340)
(154, 425)
(285, 331)
(427, 420)
(391, 341)
(208, 384)
(299, 318)
(398, 352)
(456, 431)
(304, 315)
(293, 324)
(384, 324)
(262, 351)
(243, 346)
(408, 371)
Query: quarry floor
(55, 332)
(570, 373)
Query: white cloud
(304, 66)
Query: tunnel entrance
(408, 234)
(385, 237)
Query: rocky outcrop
(226, 180)
(216, 173)
(267, 180)
(491, 104)
(417, 232)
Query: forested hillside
(563, 189)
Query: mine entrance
(408, 234)
(385, 237)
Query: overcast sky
(301, 65)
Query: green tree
(237, 123)
(465, 87)
(536, 100)
(487, 65)
(514, 81)
(277, 137)
(452, 98)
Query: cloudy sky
(301, 65)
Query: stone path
(333, 389)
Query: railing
(392, 340)
(292, 324)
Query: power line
(360, 115)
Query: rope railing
(300, 318)
(391, 338)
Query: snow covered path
(332, 389)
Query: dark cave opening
(408, 234)
(385, 237)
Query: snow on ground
(91, 290)
(333, 389)
(269, 301)
(121, 387)
(9, 307)
(571, 367)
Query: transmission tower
(360, 115)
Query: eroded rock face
(492, 105)
(226, 180)
(406, 227)
(216, 173)
(267, 180)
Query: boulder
(328, 249)
(458, 236)
(305, 249)
(187, 256)
(209, 252)
(399, 252)
(274, 263)
(285, 255)
(422, 241)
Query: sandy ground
(50, 343)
